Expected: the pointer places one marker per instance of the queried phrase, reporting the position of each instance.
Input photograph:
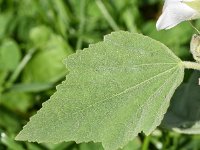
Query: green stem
(81, 25)
(194, 27)
(20, 67)
(145, 145)
(191, 65)
(107, 16)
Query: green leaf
(32, 87)
(115, 89)
(184, 112)
(46, 66)
(10, 55)
(40, 35)
(21, 101)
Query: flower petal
(174, 12)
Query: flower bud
(195, 47)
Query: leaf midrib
(124, 91)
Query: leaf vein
(133, 87)
(146, 101)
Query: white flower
(177, 11)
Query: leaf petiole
(191, 65)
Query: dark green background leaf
(184, 111)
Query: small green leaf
(32, 87)
(40, 35)
(21, 101)
(115, 89)
(184, 112)
(10, 55)
(46, 66)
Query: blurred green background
(36, 35)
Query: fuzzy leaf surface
(115, 89)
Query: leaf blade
(107, 94)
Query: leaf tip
(20, 136)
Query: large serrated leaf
(115, 89)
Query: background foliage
(36, 35)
